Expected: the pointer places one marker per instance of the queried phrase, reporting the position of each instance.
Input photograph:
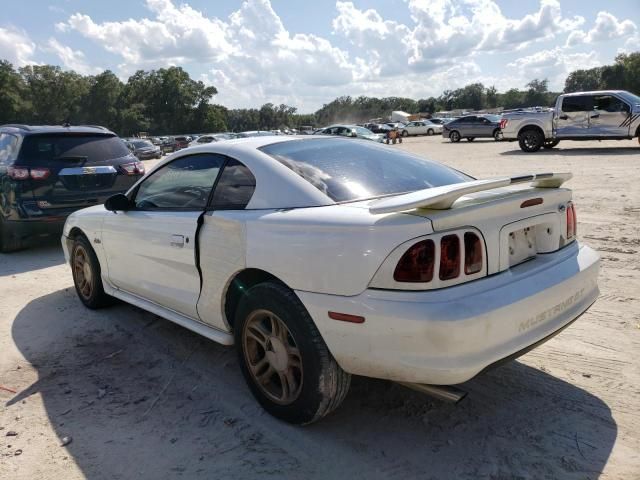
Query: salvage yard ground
(139, 397)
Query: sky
(305, 54)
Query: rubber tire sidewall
(523, 146)
(452, 136)
(317, 362)
(405, 133)
(98, 298)
(429, 132)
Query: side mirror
(119, 201)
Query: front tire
(454, 136)
(85, 268)
(283, 357)
(531, 140)
(430, 132)
(405, 133)
(549, 144)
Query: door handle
(595, 115)
(563, 117)
(177, 241)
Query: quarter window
(184, 184)
(234, 188)
(8, 147)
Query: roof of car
(593, 92)
(36, 129)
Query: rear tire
(454, 136)
(530, 140)
(470, 139)
(9, 242)
(549, 144)
(85, 268)
(283, 357)
(497, 135)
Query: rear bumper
(450, 335)
(29, 229)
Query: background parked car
(472, 127)
(379, 128)
(181, 142)
(254, 133)
(422, 127)
(48, 172)
(144, 149)
(212, 137)
(168, 145)
(354, 131)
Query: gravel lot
(140, 397)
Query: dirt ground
(139, 397)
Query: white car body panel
(339, 257)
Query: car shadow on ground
(579, 151)
(144, 398)
(47, 253)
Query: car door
(609, 117)
(573, 118)
(151, 248)
(467, 126)
(484, 127)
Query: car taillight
(40, 173)
(503, 123)
(572, 222)
(449, 257)
(18, 173)
(472, 253)
(416, 265)
(23, 173)
(133, 168)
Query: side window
(607, 103)
(234, 188)
(184, 184)
(577, 104)
(8, 148)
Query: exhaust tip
(446, 393)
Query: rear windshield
(93, 148)
(347, 170)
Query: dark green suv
(47, 172)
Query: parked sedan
(472, 127)
(47, 172)
(145, 150)
(422, 127)
(323, 257)
(212, 137)
(353, 131)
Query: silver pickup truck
(601, 115)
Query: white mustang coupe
(325, 257)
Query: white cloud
(16, 46)
(252, 58)
(554, 65)
(71, 59)
(606, 27)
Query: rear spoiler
(442, 198)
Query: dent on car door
(573, 118)
(151, 248)
(609, 116)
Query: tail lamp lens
(18, 173)
(572, 223)
(24, 173)
(503, 123)
(449, 257)
(472, 253)
(416, 265)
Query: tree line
(168, 100)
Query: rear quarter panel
(334, 250)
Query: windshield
(142, 144)
(363, 131)
(347, 170)
(630, 97)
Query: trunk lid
(517, 223)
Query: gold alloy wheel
(272, 357)
(82, 271)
